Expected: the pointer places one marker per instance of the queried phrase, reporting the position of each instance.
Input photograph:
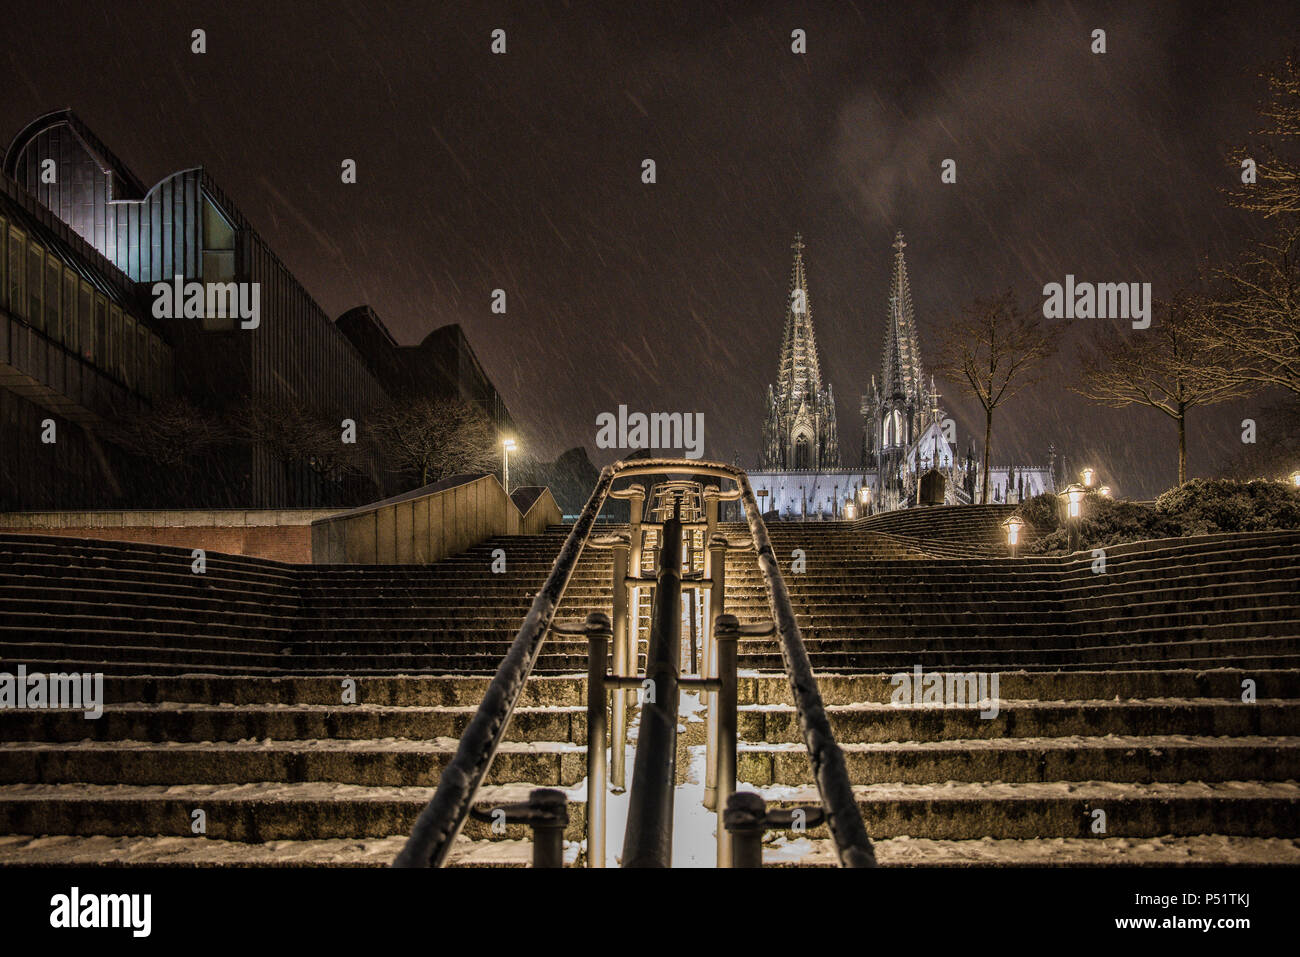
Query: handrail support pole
(598, 636)
(726, 634)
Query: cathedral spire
(800, 372)
(901, 372)
(800, 431)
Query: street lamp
(1104, 490)
(1087, 475)
(1073, 495)
(1295, 477)
(507, 446)
(1013, 525)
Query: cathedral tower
(894, 409)
(799, 431)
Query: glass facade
(47, 294)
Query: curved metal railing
(442, 819)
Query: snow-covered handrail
(441, 821)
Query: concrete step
(1200, 851)
(20, 850)
(1121, 758)
(878, 722)
(284, 722)
(973, 811)
(382, 762)
(251, 813)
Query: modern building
(289, 359)
(77, 352)
(443, 365)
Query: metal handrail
(648, 840)
(442, 819)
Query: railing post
(711, 497)
(635, 495)
(598, 634)
(743, 822)
(726, 633)
(546, 811)
(648, 839)
(622, 667)
(709, 667)
(550, 817)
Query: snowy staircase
(1121, 735)
(225, 695)
(1119, 693)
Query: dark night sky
(523, 172)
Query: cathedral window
(801, 460)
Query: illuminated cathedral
(906, 433)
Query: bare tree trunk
(988, 439)
(1182, 443)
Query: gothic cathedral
(799, 433)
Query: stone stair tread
(134, 707)
(29, 850)
(984, 791)
(1065, 743)
(432, 746)
(1198, 851)
(256, 792)
(1023, 704)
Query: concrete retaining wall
(280, 534)
(427, 525)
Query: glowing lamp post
(1295, 477)
(1088, 475)
(1013, 525)
(1104, 490)
(864, 496)
(1073, 496)
(507, 446)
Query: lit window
(17, 273)
(128, 351)
(115, 343)
(35, 264)
(70, 309)
(101, 331)
(86, 321)
(53, 322)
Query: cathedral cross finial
(898, 241)
(797, 245)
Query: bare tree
(1253, 317)
(1254, 314)
(1167, 368)
(172, 433)
(993, 350)
(296, 433)
(1276, 190)
(436, 438)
